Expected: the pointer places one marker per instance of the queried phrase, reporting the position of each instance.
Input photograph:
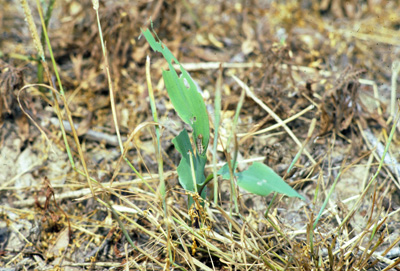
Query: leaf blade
(262, 180)
(187, 101)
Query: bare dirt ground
(326, 68)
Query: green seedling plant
(258, 179)
(190, 107)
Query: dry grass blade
(277, 119)
(113, 178)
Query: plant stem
(217, 119)
(40, 70)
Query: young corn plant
(258, 179)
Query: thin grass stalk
(40, 70)
(20, 57)
(377, 223)
(233, 190)
(320, 262)
(309, 135)
(57, 110)
(269, 264)
(108, 75)
(202, 239)
(38, 45)
(44, 64)
(53, 60)
(236, 118)
(272, 113)
(139, 175)
(327, 198)
(317, 188)
(187, 254)
(123, 156)
(157, 129)
(193, 173)
(368, 253)
(78, 146)
(355, 206)
(270, 205)
(159, 157)
(232, 166)
(396, 263)
(180, 267)
(277, 229)
(310, 238)
(115, 215)
(330, 253)
(191, 12)
(355, 246)
(136, 225)
(342, 170)
(389, 248)
(393, 92)
(139, 228)
(228, 218)
(217, 120)
(121, 225)
(244, 136)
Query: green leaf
(262, 180)
(183, 145)
(187, 101)
(224, 171)
(189, 105)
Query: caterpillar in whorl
(199, 144)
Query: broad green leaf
(262, 180)
(183, 145)
(189, 105)
(224, 171)
(187, 101)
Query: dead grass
(301, 65)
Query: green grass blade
(40, 70)
(217, 120)
(381, 162)
(326, 200)
(157, 129)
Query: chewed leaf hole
(185, 81)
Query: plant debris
(295, 65)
